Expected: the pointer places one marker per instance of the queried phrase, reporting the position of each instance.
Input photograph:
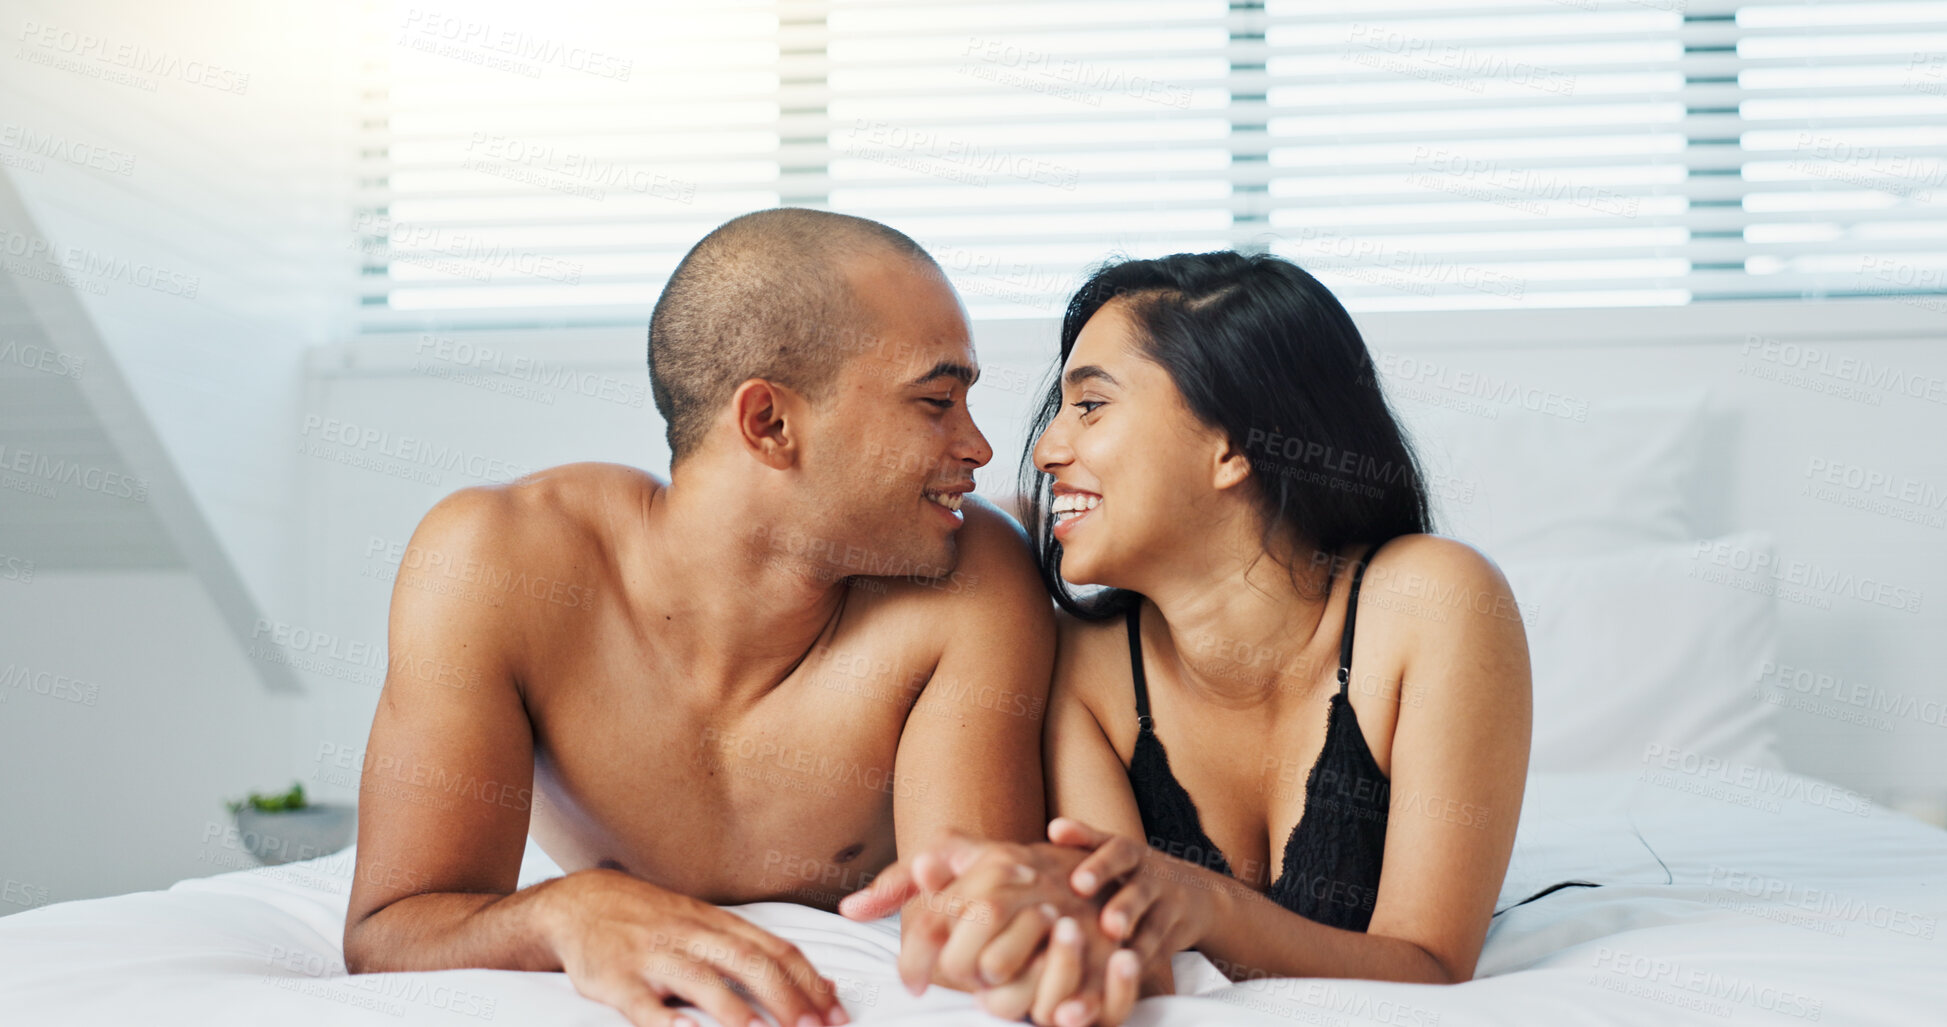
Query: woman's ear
(1232, 464)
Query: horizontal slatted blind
(529, 168)
(550, 165)
(1023, 142)
(1844, 149)
(1443, 155)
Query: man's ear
(769, 418)
(1231, 465)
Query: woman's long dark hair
(1262, 351)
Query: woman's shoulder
(1434, 564)
(1091, 658)
(1435, 589)
(1082, 643)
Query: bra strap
(1351, 612)
(1134, 618)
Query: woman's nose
(1050, 450)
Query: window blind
(525, 168)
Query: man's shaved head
(764, 296)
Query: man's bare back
(810, 650)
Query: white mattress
(1719, 904)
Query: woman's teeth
(1070, 505)
(950, 500)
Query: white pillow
(1568, 478)
(1647, 646)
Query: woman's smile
(1071, 508)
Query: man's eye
(1087, 406)
(943, 404)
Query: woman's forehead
(1108, 333)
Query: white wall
(181, 226)
(1766, 431)
(127, 717)
(198, 245)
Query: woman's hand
(1160, 906)
(958, 897)
(989, 917)
(1069, 984)
(1155, 907)
(976, 915)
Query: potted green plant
(285, 827)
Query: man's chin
(919, 560)
(932, 549)
(938, 561)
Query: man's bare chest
(790, 798)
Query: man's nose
(975, 449)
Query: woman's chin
(1080, 574)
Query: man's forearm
(455, 930)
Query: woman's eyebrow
(1078, 375)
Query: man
(807, 652)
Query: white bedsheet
(1773, 903)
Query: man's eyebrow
(948, 369)
(1078, 375)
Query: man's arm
(969, 760)
(981, 920)
(970, 755)
(437, 858)
(444, 803)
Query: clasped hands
(1069, 932)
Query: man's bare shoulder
(548, 536)
(547, 506)
(585, 493)
(991, 596)
(994, 569)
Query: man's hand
(976, 915)
(629, 944)
(1155, 907)
(958, 896)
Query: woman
(1234, 766)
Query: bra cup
(1329, 871)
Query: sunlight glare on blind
(529, 167)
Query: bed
(1704, 896)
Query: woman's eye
(1087, 406)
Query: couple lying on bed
(811, 666)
